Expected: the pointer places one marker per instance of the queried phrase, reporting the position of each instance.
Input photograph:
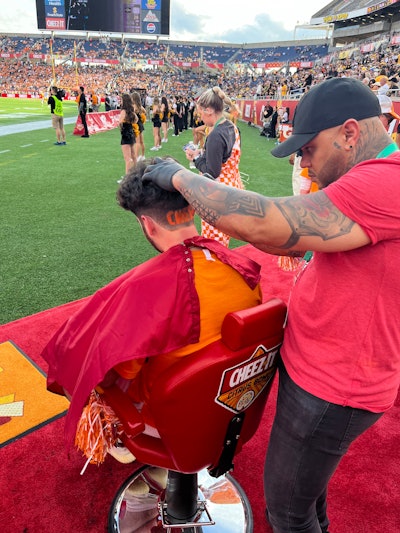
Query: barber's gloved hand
(162, 172)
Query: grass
(19, 111)
(62, 233)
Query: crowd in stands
(282, 53)
(27, 75)
(107, 48)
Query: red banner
(17, 95)
(215, 65)
(186, 64)
(10, 56)
(269, 65)
(98, 122)
(97, 60)
(37, 56)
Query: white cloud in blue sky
(203, 20)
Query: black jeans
(83, 118)
(308, 439)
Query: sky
(227, 21)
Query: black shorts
(128, 139)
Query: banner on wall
(98, 122)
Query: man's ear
(352, 132)
(149, 224)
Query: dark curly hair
(147, 198)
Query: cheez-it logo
(242, 384)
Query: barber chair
(204, 409)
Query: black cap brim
(292, 144)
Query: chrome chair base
(139, 506)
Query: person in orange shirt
(284, 89)
(213, 280)
(95, 103)
(167, 308)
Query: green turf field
(62, 233)
(19, 111)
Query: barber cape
(150, 310)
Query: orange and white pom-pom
(97, 430)
(289, 264)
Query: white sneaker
(121, 454)
(156, 478)
(192, 165)
(154, 148)
(119, 181)
(141, 158)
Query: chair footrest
(198, 520)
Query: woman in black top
(141, 116)
(156, 119)
(127, 119)
(165, 119)
(221, 155)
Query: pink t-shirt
(342, 342)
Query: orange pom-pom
(97, 429)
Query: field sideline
(62, 233)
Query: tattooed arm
(290, 225)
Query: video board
(148, 17)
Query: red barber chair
(204, 408)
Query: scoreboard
(147, 17)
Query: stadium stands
(264, 70)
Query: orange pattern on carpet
(25, 404)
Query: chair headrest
(249, 326)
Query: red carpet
(41, 490)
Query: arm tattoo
(315, 216)
(210, 203)
(306, 215)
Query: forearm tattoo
(306, 215)
(210, 202)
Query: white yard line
(30, 126)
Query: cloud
(186, 26)
(263, 30)
(20, 18)
(185, 23)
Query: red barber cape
(151, 310)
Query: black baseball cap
(325, 106)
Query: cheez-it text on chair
(203, 409)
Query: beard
(151, 241)
(333, 169)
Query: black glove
(162, 172)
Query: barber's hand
(162, 172)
